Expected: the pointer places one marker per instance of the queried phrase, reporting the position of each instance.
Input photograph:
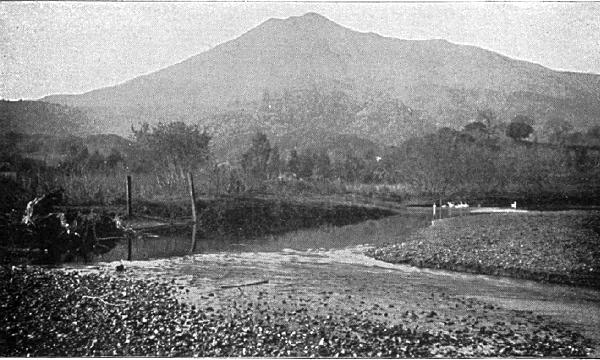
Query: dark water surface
(177, 241)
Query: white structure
(513, 205)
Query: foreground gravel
(50, 312)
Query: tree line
(485, 156)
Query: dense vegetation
(487, 158)
(255, 217)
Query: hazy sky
(73, 47)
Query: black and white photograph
(359, 179)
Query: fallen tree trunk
(242, 285)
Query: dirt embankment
(558, 247)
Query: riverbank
(557, 247)
(295, 304)
(92, 231)
(312, 302)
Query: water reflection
(183, 240)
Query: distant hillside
(375, 88)
(52, 149)
(105, 143)
(36, 117)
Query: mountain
(377, 88)
(37, 117)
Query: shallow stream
(306, 263)
(177, 241)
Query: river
(300, 266)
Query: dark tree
(322, 165)
(475, 127)
(592, 135)
(176, 145)
(95, 162)
(558, 130)
(518, 130)
(524, 119)
(306, 165)
(274, 165)
(593, 132)
(487, 117)
(114, 158)
(293, 164)
(255, 161)
(77, 160)
(350, 167)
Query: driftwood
(248, 284)
(99, 299)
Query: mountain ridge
(446, 82)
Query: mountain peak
(310, 19)
(312, 16)
(442, 80)
(308, 26)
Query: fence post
(129, 211)
(129, 214)
(194, 215)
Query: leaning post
(128, 184)
(194, 214)
(129, 214)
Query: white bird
(451, 204)
(513, 205)
(462, 205)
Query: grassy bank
(558, 247)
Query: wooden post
(194, 215)
(129, 247)
(194, 233)
(129, 213)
